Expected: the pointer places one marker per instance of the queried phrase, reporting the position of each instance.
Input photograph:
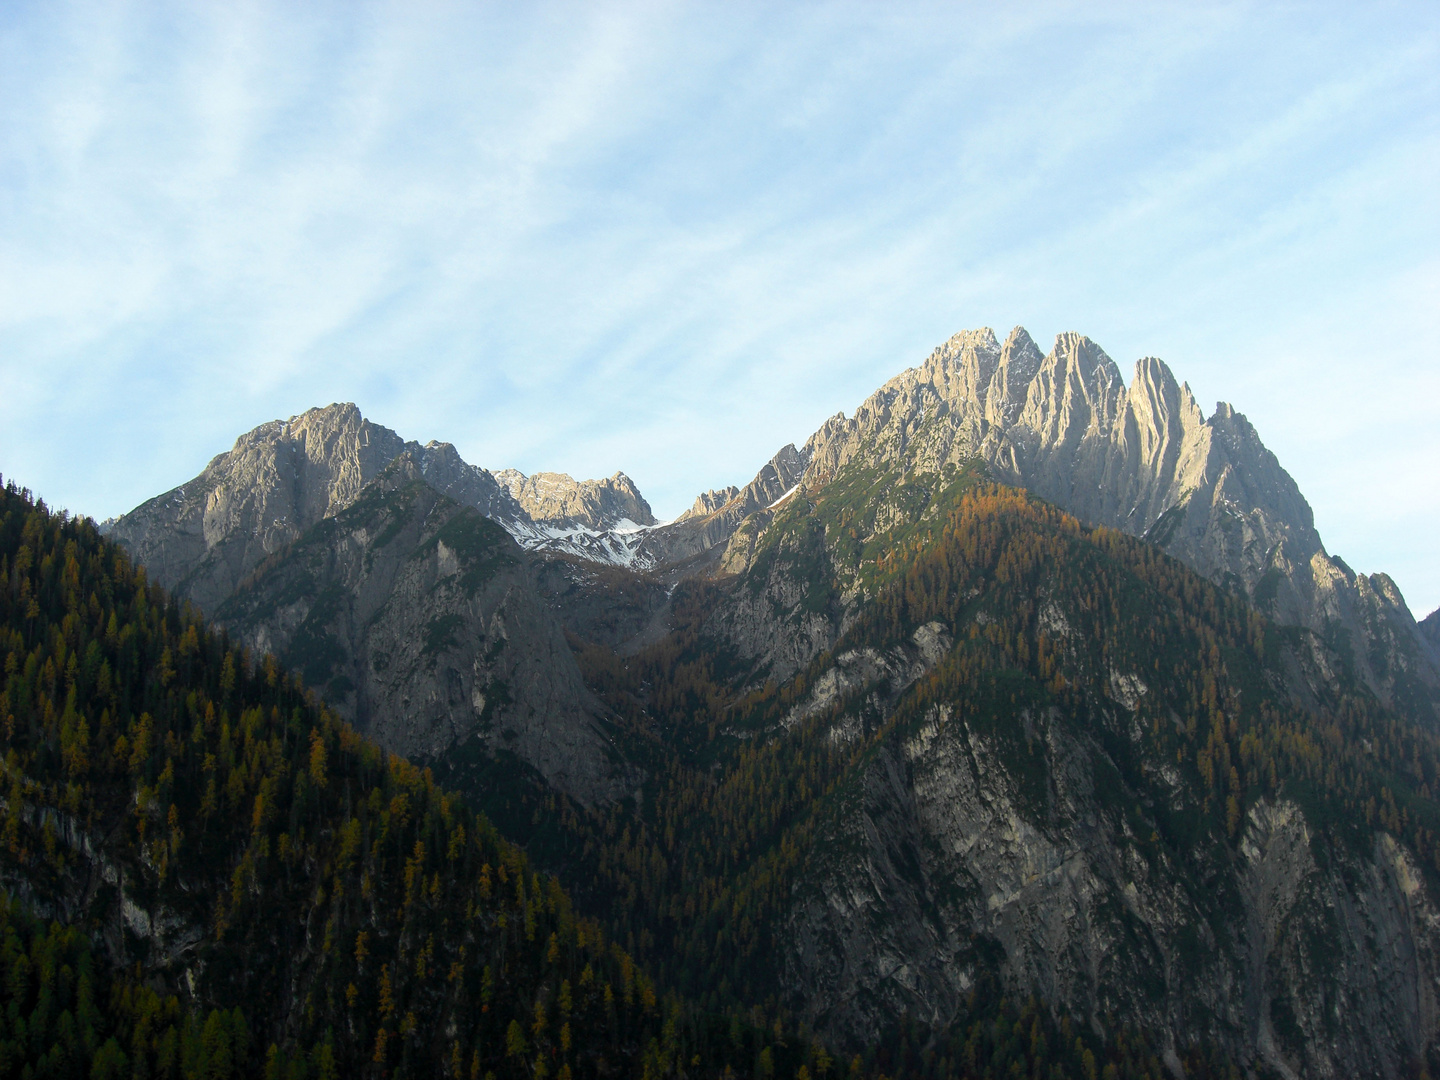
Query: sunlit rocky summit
(1145, 459)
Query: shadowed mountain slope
(894, 748)
(235, 884)
(1064, 425)
(419, 621)
(933, 738)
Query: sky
(670, 238)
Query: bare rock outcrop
(938, 863)
(1144, 459)
(715, 515)
(561, 501)
(201, 538)
(419, 620)
(1430, 628)
(386, 572)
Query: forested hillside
(1032, 799)
(210, 876)
(1119, 713)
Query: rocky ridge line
(1146, 460)
(561, 501)
(1142, 458)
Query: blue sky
(670, 238)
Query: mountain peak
(560, 501)
(1089, 358)
(1065, 426)
(1153, 370)
(981, 338)
(336, 410)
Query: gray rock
(715, 516)
(328, 540)
(1143, 459)
(1430, 628)
(559, 500)
(936, 864)
(202, 538)
(419, 621)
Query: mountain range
(1017, 685)
(1143, 459)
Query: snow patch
(615, 546)
(782, 498)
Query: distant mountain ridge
(1142, 458)
(278, 480)
(346, 550)
(560, 500)
(1430, 627)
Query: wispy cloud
(668, 238)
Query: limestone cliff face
(203, 537)
(281, 478)
(419, 621)
(469, 485)
(1026, 840)
(1144, 459)
(561, 501)
(300, 540)
(715, 516)
(708, 502)
(1055, 843)
(1296, 951)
